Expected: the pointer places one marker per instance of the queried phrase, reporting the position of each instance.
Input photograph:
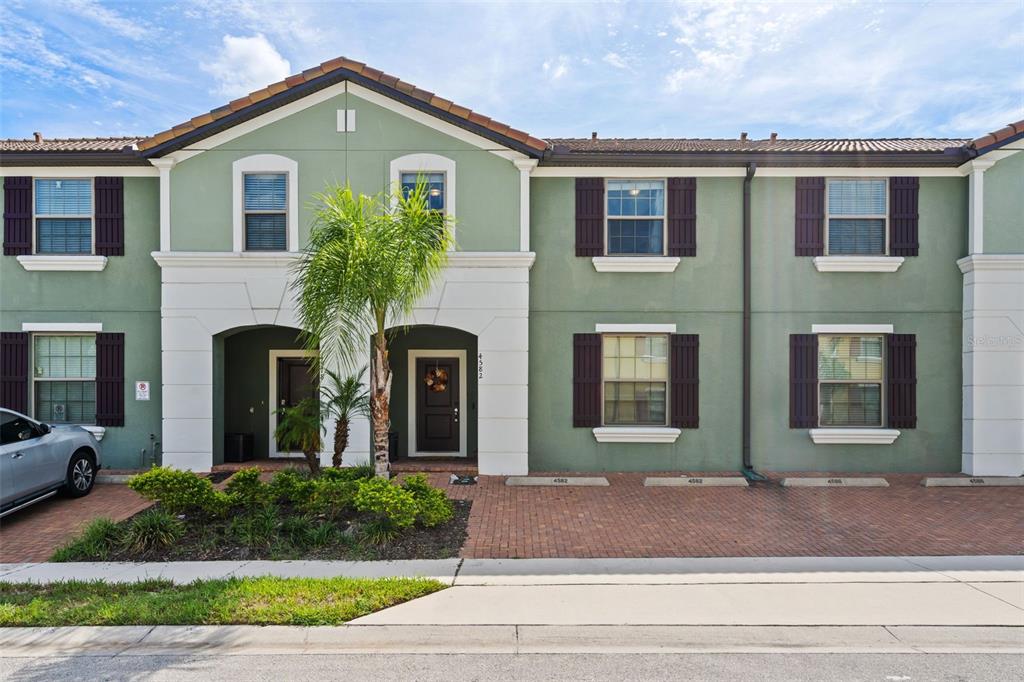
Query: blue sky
(555, 69)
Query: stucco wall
(1004, 206)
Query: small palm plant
(298, 428)
(344, 398)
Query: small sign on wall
(142, 390)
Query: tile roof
(389, 82)
(998, 136)
(684, 145)
(70, 144)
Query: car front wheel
(81, 475)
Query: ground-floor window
(64, 378)
(850, 378)
(635, 379)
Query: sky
(554, 69)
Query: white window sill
(833, 436)
(63, 263)
(635, 263)
(97, 431)
(636, 434)
(858, 263)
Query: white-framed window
(851, 380)
(634, 378)
(857, 217)
(635, 217)
(63, 215)
(434, 182)
(265, 208)
(64, 378)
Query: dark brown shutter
(685, 374)
(589, 216)
(17, 216)
(110, 379)
(803, 381)
(903, 216)
(14, 371)
(901, 361)
(586, 380)
(109, 210)
(682, 216)
(810, 216)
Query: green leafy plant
(322, 534)
(432, 504)
(369, 260)
(344, 398)
(247, 490)
(257, 528)
(152, 529)
(392, 507)
(95, 543)
(180, 492)
(298, 530)
(298, 428)
(331, 497)
(290, 486)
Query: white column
(186, 363)
(525, 167)
(164, 166)
(976, 204)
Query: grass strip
(235, 601)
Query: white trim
(491, 259)
(831, 436)
(97, 431)
(80, 171)
(164, 167)
(427, 163)
(636, 434)
(734, 172)
(274, 355)
(991, 261)
(346, 120)
(63, 262)
(247, 259)
(975, 171)
(851, 329)
(526, 167)
(635, 328)
(413, 355)
(635, 263)
(264, 163)
(65, 327)
(858, 263)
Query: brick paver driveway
(628, 520)
(33, 533)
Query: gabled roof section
(322, 76)
(1004, 136)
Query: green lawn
(250, 601)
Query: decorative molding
(264, 163)
(831, 436)
(636, 434)
(61, 326)
(491, 259)
(852, 329)
(80, 171)
(858, 263)
(635, 263)
(635, 328)
(97, 431)
(223, 259)
(164, 167)
(63, 263)
(991, 261)
(526, 167)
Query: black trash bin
(392, 446)
(238, 447)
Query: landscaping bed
(341, 514)
(235, 601)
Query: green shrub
(298, 530)
(94, 543)
(357, 473)
(180, 491)
(291, 487)
(257, 528)
(152, 529)
(322, 534)
(331, 497)
(390, 505)
(432, 504)
(247, 490)
(378, 531)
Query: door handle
(17, 455)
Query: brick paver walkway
(628, 520)
(33, 533)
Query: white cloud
(244, 64)
(556, 69)
(614, 59)
(108, 18)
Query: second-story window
(636, 217)
(857, 217)
(266, 212)
(63, 215)
(434, 184)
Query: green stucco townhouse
(672, 304)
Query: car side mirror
(44, 429)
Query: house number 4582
(480, 366)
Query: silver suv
(39, 460)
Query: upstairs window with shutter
(857, 217)
(63, 214)
(266, 211)
(635, 217)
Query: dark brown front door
(295, 383)
(437, 405)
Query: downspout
(748, 468)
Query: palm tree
(298, 428)
(343, 399)
(369, 260)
